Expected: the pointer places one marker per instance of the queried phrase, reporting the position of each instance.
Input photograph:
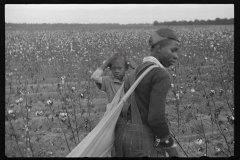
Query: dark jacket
(150, 97)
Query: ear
(159, 48)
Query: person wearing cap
(142, 130)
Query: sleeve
(103, 86)
(156, 115)
(97, 76)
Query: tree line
(34, 26)
(217, 21)
(72, 26)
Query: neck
(153, 55)
(154, 60)
(120, 79)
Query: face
(168, 54)
(118, 69)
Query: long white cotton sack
(99, 142)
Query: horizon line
(118, 23)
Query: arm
(156, 117)
(97, 75)
(131, 63)
(156, 114)
(172, 151)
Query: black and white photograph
(119, 80)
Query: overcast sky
(114, 13)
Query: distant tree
(173, 22)
(225, 21)
(196, 21)
(181, 22)
(217, 20)
(202, 22)
(190, 22)
(184, 22)
(231, 21)
(208, 22)
(155, 23)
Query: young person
(142, 130)
(118, 65)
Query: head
(164, 46)
(119, 66)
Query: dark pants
(133, 140)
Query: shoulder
(159, 76)
(106, 82)
(160, 73)
(157, 72)
(107, 79)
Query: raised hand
(131, 63)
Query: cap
(162, 34)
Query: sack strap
(135, 114)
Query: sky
(114, 13)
